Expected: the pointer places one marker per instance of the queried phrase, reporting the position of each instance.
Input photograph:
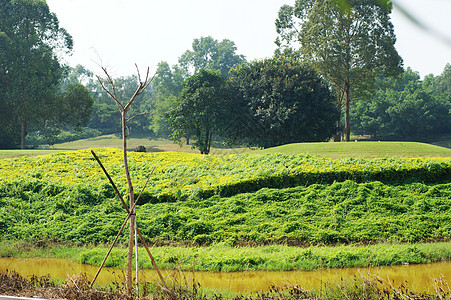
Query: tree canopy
(166, 87)
(206, 53)
(350, 43)
(200, 109)
(279, 101)
(209, 53)
(32, 43)
(406, 108)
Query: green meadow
(360, 149)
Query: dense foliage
(406, 108)
(349, 43)
(211, 54)
(279, 101)
(200, 109)
(237, 199)
(32, 44)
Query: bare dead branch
(111, 94)
(111, 82)
(140, 114)
(151, 79)
(140, 89)
(139, 74)
(147, 73)
(136, 94)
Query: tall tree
(209, 53)
(167, 85)
(279, 101)
(206, 53)
(404, 108)
(76, 105)
(349, 42)
(31, 43)
(73, 106)
(199, 109)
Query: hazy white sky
(120, 33)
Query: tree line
(31, 93)
(406, 108)
(335, 61)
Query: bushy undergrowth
(238, 199)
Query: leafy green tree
(279, 101)
(404, 108)
(79, 74)
(440, 85)
(9, 132)
(350, 43)
(77, 105)
(168, 80)
(31, 42)
(209, 53)
(166, 86)
(74, 106)
(199, 109)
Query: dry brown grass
(75, 287)
(78, 287)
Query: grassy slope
(363, 149)
(18, 153)
(331, 150)
(111, 140)
(152, 145)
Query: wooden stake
(109, 251)
(136, 258)
(128, 211)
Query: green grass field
(363, 149)
(112, 141)
(330, 149)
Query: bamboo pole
(129, 280)
(114, 242)
(109, 251)
(136, 259)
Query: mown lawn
(327, 149)
(363, 149)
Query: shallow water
(419, 278)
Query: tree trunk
(337, 136)
(209, 137)
(132, 211)
(129, 276)
(130, 253)
(347, 121)
(23, 134)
